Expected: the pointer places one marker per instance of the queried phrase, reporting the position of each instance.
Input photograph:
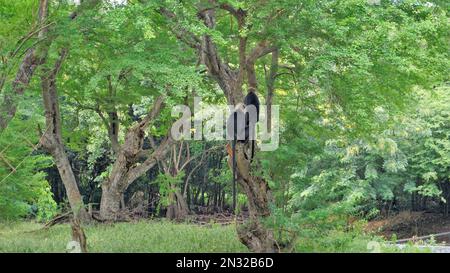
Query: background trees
(361, 87)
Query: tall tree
(231, 79)
(52, 137)
(118, 76)
(126, 168)
(338, 48)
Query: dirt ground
(412, 224)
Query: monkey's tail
(234, 173)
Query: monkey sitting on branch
(241, 128)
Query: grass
(165, 237)
(143, 236)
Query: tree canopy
(87, 92)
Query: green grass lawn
(163, 236)
(144, 236)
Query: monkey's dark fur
(252, 99)
(241, 132)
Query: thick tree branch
(127, 167)
(151, 161)
(153, 113)
(113, 117)
(270, 84)
(263, 48)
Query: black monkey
(241, 127)
(251, 100)
(242, 121)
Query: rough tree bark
(52, 138)
(270, 85)
(128, 166)
(253, 233)
(178, 208)
(78, 234)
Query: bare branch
(263, 48)
(139, 170)
(156, 109)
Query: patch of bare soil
(412, 224)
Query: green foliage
(428, 147)
(359, 78)
(361, 177)
(168, 184)
(14, 41)
(351, 57)
(23, 190)
(15, 20)
(364, 120)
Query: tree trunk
(52, 139)
(270, 85)
(70, 183)
(124, 173)
(126, 168)
(253, 233)
(178, 208)
(110, 202)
